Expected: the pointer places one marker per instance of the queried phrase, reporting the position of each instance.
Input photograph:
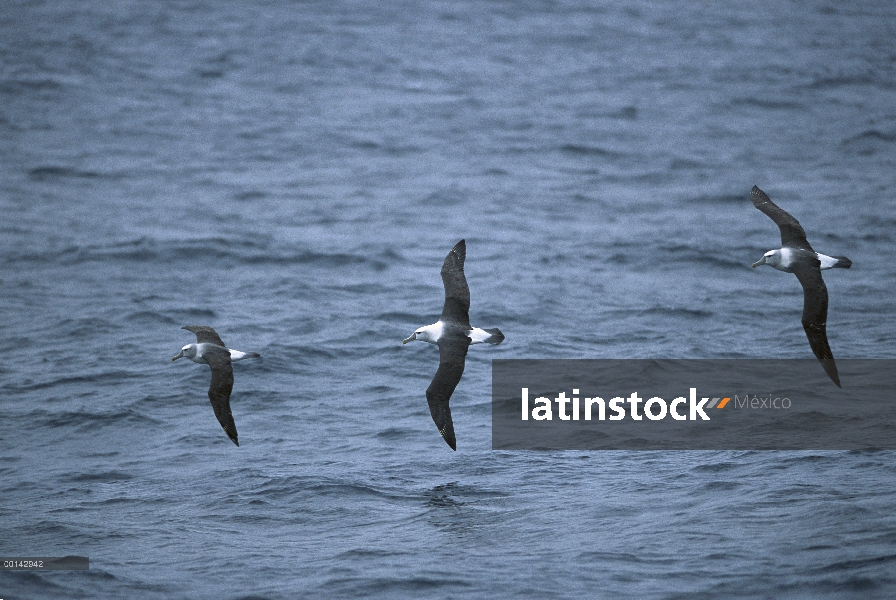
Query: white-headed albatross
(797, 256)
(210, 350)
(453, 335)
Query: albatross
(797, 256)
(210, 350)
(453, 335)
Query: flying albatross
(210, 350)
(453, 335)
(797, 256)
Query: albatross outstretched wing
(220, 388)
(204, 335)
(457, 293)
(452, 354)
(792, 234)
(815, 313)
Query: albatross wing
(220, 388)
(792, 233)
(452, 355)
(815, 314)
(204, 335)
(457, 292)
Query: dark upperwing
(792, 234)
(220, 388)
(457, 293)
(452, 355)
(815, 313)
(204, 335)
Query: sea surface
(293, 174)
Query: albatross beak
(759, 262)
(179, 355)
(410, 339)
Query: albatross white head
(430, 333)
(772, 258)
(189, 351)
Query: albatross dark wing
(792, 234)
(220, 388)
(452, 353)
(815, 313)
(204, 335)
(457, 293)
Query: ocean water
(293, 174)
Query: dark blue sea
(293, 174)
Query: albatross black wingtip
(448, 435)
(460, 249)
(830, 367)
(758, 196)
(231, 433)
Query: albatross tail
(236, 355)
(488, 336)
(496, 336)
(833, 262)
